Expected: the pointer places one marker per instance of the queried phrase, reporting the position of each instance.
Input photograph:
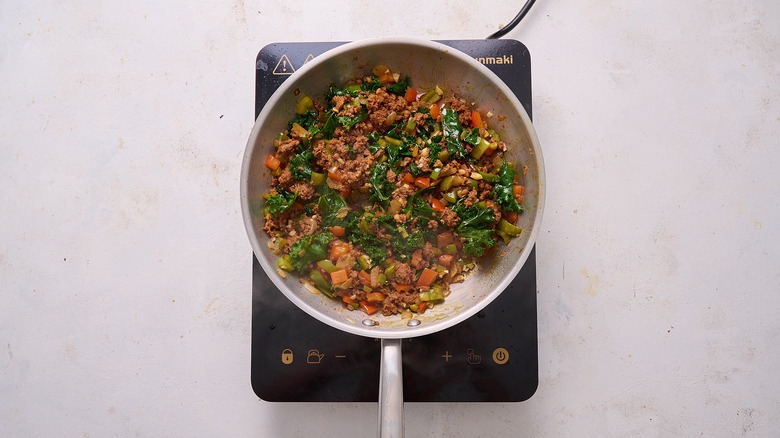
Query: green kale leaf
(478, 241)
(452, 130)
(280, 202)
(300, 165)
(381, 188)
(503, 189)
(309, 249)
(400, 87)
(349, 121)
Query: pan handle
(391, 391)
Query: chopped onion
(342, 212)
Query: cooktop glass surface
(492, 356)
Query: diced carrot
(403, 287)
(435, 111)
(272, 162)
(347, 299)
(426, 278)
(375, 297)
(367, 307)
(365, 278)
(518, 189)
(446, 259)
(510, 216)
(346, 192)
(332, 174)
(422, 182)
(437, 205)
(416, 258)
(410, 95)
(408, 178)
(339, 276)
(476, 119)
(337, 230)
(338, 250)
(421, 308)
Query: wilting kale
(330, 203)
(280, 201)
(372, 85)
(307, 120)
(400, 87)
(309, 249)
(349, 121)
(503, 189)
(452, 130)
(475, 226)
(472, 136)
(477, 241)
(300, 165)
(381, 188)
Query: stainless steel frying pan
(428, 64)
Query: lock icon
(287, 356)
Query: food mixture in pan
(384, 195)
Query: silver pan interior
(428, 64)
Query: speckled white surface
(125, 270)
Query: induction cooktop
(490, 357)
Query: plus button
(446, 356)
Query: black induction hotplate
(490, 357)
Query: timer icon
(500, 356)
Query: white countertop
(125, 270)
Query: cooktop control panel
(492, 356)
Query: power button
(500, 356)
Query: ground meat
(449, 218)
(381, 104)
(390, 175)
(309, 225)
(428, 252)
(403, 192)
(305, 190)
(423, 163)
(464, 114)
(496, 210)
(403, 273)
(285, 179)
(339, 101)
(287, 149)
(471, 198)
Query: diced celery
(364, 261)
(320, 282)
(489, 177)
(431, 295)
(450, 197)
(480, 148)
(393, 141)
(509, 229)
(352, 88)
(450, 249)
(284, 264)
(435, 173)
(327, 266)
(390, 271)
(318, 179)
(305, 104)
(446, 183)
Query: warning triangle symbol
(284, 66)
(308, 58)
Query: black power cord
(504, 30)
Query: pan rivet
(414, 322)
(369, 322)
